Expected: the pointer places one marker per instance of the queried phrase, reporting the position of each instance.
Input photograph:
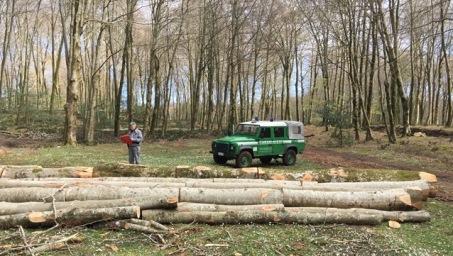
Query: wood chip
(431, 178)
(394, 224)
(216, 245)
(113, 247)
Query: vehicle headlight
(231, 147)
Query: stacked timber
(137, 203)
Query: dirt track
(331, 158)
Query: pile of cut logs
(142, 203)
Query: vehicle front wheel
(220, 159)
(265, 160)
(244, 159)
(289, 158)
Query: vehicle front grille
(220, 147)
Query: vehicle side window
(296, 130)
(279, 132)
(265, 132)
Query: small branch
(22, 235)
(54, 245)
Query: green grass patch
(432, 238)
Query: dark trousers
(134, 154)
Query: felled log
(118, 179)
(35, 171)
(239, 185)
(149, 202)
(84, 193)
(235, 217)
(377, 185)
(44, 183)
(231, 196)
(68, 217)
(394, 199)
(401, 216)
(195, 207)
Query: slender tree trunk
(72, 98)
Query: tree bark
(19, 195)
(68, 217)
(147, 202)
(231, 196)
(197, 207)
(75, 76)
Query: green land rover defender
(265, 140)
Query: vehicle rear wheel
(220, 159)
(244, 159)
(265, 160)
(289, 158)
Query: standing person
(134, 149)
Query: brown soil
(317, 152)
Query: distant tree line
(214, 63)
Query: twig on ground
(54, 245)
(229, 235)
(24, 239)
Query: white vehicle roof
(271, 124)
(266, 123)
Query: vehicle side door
(264, 147)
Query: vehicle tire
(220, 159)
(289, 158)
(244, 159)
(265, 160)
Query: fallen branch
(149, 223)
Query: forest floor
(431, 154)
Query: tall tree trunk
(448, 85)
(95, 78)
(10, 6)
(72, 97)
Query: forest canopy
(214, 63)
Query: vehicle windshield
(247, 129)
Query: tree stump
(252, 173)
(183, 171)
(204, 172)
(21, 171)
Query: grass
(161, 154)
(433, 238)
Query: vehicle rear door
(278, 143)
